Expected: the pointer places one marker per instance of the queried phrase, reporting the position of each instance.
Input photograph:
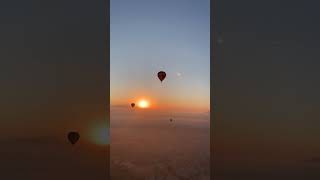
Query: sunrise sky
(54, 80)
(148, 36)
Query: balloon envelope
(162, 75)
(133, 104)
(73, 137)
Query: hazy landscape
(146, 145)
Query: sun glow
(143, 103)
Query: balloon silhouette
(162, 75)
(73, 137)
(171, 120)
(133, 104)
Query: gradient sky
(171, 35)
(148, 36)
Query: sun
(143, 104)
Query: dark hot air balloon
(162, 75)
(171, 120)
(133, 104)
(73, 137)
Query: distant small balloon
(133, 104)
(171, 120)
(73, 137)
(162, 75)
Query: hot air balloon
(162, 75)
(73, 137)
(171, 120)
(133, 104)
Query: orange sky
(164, 97)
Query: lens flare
(100, 135)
